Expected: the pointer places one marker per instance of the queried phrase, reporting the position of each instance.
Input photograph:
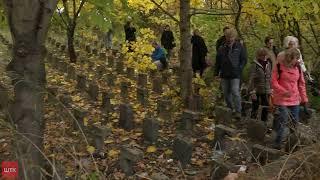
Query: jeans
(285, 116)
(231, 92)
(262, 99)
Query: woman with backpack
(289, 91)
(259, 82)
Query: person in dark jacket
(230, 61)
(130, 32)
(167, 40)
(260, 82)
(269, 44)
(158, 56)
(199, 52)
(222, 39)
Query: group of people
(275, 80)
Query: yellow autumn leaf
(90, 149)
(151, 149)
(168, 152)
(108, 141)
(85, 121)
(113, 153)
(210, 136)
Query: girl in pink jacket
(289, 91)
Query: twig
(182, 171)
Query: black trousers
(262, 99)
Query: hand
(253, 97)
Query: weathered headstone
(126, 117)
(111, 78)
(142, 80)
(182, 150)
(157, 84)
(223, 115)
(102, 56)
(71, 72)
(189, 119)
(196, 103)
(66, 100)
(256, 130)
(152, 73)
(106, 102)
(110, 61)
(221, 169)
(119, 66)
(164, 109)
(93, 90)
(165, 77)
(128, 157)
(79, 115)
(88, 48)
(263, 154)
(99, 134)
(124, 88)
(130, 73)
(142, 96)
(81, 82)
(221, 131)
(150, 130)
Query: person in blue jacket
(159, 56)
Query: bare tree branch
(166, 12)
(79, 9)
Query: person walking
(289, 91)
(199, 52)
(222, 39)
(158, 56)
(167, 40)
(130, 34)
(230, 61)
(260, 83)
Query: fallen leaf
(90, 149)
(113, 153)
(151, 149)
(168, 152)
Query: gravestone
(99, 134)
(189, 119)
(157, 85)
(130, 73)
(106, 102)
(221, 169)
(182, 150)
(256, 130)
(152, 73)
(221, 131)
(100, 71)
(81, 82)
(119, 66)
(165, 77)
(65, 99)
(126, 117)
(72, 72)
(93, 90)
(196, 103)
(128, 157)
(88, 49)
(264, 154)
(142, 96)
(111, 78)
(223, 115)
(79, 115)
(102, 56)
(124, 89)
(142, 80)
(150, 130)
(164, 109)
(110, 61)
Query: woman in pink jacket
(289, 91)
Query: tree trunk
(185, 52)
(71, 50)
(28, 21)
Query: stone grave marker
(221, 131)
(110, 61)
(150, 130)
(93, 90)
(119, 66)
(106, 102)
(256, 130)
(126, 117)
(102, 56)
(182, 150)
(157, 84)
(189, 119)
(264, 154)
(99, 134)
(79, 115)
(81, 82)
(164, 109)
(128, 157)
(196, 103)
(221, 169)
(223, 115)
(130, 73)
(88, 49)
(153, 73)
(142, 80)
(124, 89)
(142, 96)
(111, 78)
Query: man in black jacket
(222, 39)
(167, 40)
(230, 61)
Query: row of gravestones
(256, 139)
(182, 147)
